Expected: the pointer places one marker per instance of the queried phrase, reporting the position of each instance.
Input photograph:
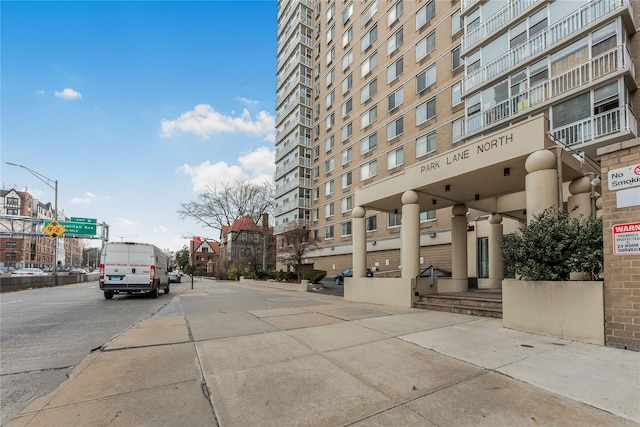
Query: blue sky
(136, 107)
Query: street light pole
(47, 182)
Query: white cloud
(257, 166)
(126, 221)
(248, 101)
(204, 121)
(85, 199)
(69, 94)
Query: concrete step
(473, 305)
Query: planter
(571, 310)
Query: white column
(579, 203)
(460, 273)
(496, 266)
(541, 183)
(359, 240)
(410, 235)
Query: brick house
(244, 244)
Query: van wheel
(166, 290)
(108, 294)
(154, 292)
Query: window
(427, 216)
(347, 107)
(347, 131)
(425, 79)
(456, 22)
(371, 223)
(330, 120)
(316, 152)
(456, 97)
(457, 129)
(10, 256)
(395, 99)
(394, 42)
(395, 128)
(395, 158)
(394, 220)
(456, 60)
(346, 204)
(328, 187)
(329, 143)
(426, 144)
(347, 36)
(346, 179)
(369, 12)
(347, 155)
(347, 12)
(369, 90)
(394, 13)
(369, 143)
(426, 111)
(369, 64)
(347, 84)
(331, 75)
(331, 11)
(331, 33)
(328, 210)
(316, 214)
(425, 14)
(368, 170)
(11, 245)
(331, 55)
(329, 165)
(328, 232)
(394, 70)
(316, 172)
(347, 59)
(316, 193)
(483, 257)
(369, 38)
(346, 228)
(368, 117)
(12, 201)
(330, 99)
(425, 46)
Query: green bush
(314, 276)
(233, 274)
(552, 245)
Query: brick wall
(621, 273)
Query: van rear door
(128, 265)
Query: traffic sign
(84, 220)
(79, 228)
(54, 229)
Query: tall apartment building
(441, 113)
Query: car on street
(437, 272)
(339, 279)
(175, 276)
(28, 272)
(77, 272)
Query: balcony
(283, 111)
(551, 36)
(615, 61)
(286, 147)
(301, 203)
(304, 121)
(284, 188)
(284, 92)
(606, 126)
(290, 225)
(495, 22)
(302, 161)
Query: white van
(133, 267)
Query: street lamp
(47, 182)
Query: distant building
(206, 256)
(25, 248)
(245, 245)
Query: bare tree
(222, 205)
(297, 244)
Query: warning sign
(626, 239)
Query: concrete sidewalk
(237, 355)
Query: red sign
(626, 239)
(196, 238)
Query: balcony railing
(584, 74)
(291, 225)
(466, 4)
(300, 182)
(302, 161)
(608, 123)
(293, 103)
(495, 22)
(301, 203)
(286, 147)
(541, 41)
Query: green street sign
(79, 228)
(84, 220)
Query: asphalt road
(45, 332)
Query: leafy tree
(552, 245)
(297, 245)
(222, 205)
(182, 258)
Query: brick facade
(621, 273)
